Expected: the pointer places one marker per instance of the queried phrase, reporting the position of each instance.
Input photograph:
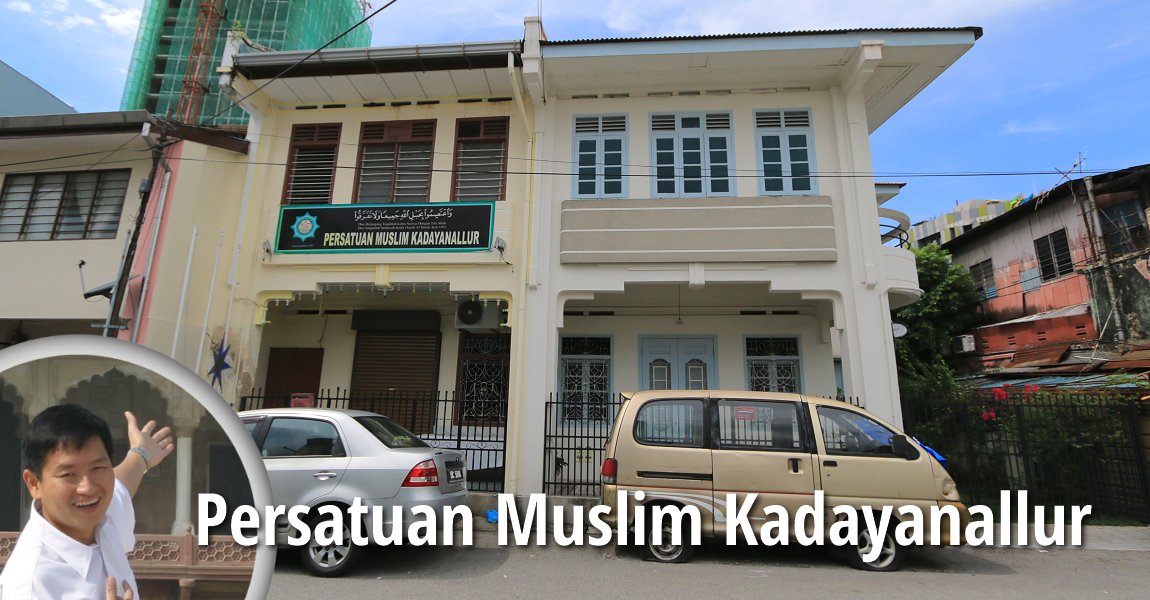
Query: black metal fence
(575, 434)
(1063, 448)
(442, 419)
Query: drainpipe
(1107, 274)
(516, 88)
(255, 131)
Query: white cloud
(1037, 126)
(22, 7)
(117, 18)
(70, 22)
(455, 20)
(668, 17)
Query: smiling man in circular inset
(82, 525)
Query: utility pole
(1107, 274)
(113, 323)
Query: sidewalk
(1116, 538)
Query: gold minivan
(696, 448)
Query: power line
(297, 63)
(738, 173)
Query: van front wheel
(664, 550)
(890, 555)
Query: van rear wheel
(664, 550)
(891, 555)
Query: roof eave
(358, 61)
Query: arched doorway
(109, 395)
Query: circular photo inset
(107, 449)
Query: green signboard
(431, 227)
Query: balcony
(898, 264)
(676, 230)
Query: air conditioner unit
(476, 315)
(964, 344)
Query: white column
(183, 457)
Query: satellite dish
(898, 329)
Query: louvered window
(311, 164)
(395, 162)
(786, 154)
(692, 154)
(62, 206)
(1053, 252)
(480, 159)
(600, 149)
(983, 274)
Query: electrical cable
(812, 175)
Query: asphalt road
(487, 570)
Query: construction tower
(180, 43)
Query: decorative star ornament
(219, 364)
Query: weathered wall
(1131, 276)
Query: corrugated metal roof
(1066, 311)
(1083, 381)
(977, 31)
(1038, 357)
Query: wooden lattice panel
(156, 550)
(7, 543)
(225, 551)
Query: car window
(670, 423)
(291, 436)
(758, 425)
(390, 433)
(251, 424)
(848, 432)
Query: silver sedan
(324, 457)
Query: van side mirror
(900, 446)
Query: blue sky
(1049, 79)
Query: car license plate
(454, 475)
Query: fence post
(1133, 418)
(1024, 446)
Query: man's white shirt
(48, 564)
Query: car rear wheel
(330, 560)
(890, 557)
(665, 551)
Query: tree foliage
(946, 309)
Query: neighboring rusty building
(1066, 269)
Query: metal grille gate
(575, 433)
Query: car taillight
(423, 474)
(610, 470)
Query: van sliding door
(761, 448)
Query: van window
(848, 432)
(670, 423)
(758, 425)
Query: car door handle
(794, 465)
(323, 475)
(830, 463)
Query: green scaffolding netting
(166, 37)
